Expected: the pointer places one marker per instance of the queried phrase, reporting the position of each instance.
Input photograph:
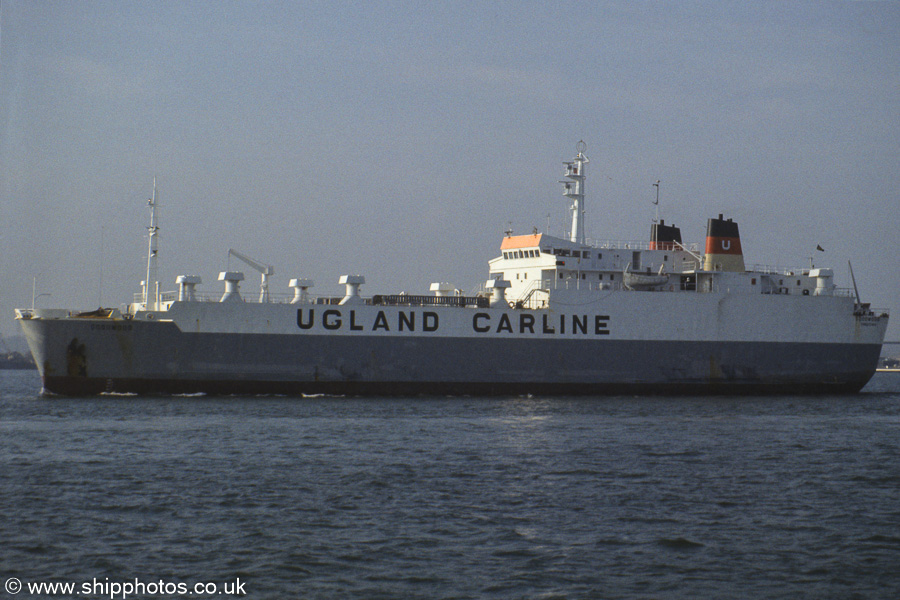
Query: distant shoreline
(15, 360)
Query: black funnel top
(721, 228)
(660, 232)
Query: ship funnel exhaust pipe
(352, 282)
(824, 281)
(443, 289)
(232, 281)
(186, 285)
(723, 246)
(498, 289)
(664, 237)
(301, 290)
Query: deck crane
(264, 270)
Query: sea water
(518, 497)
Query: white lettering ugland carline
(334, 319)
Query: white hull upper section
(576, 314)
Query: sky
(399, 140)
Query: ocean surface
(520, 497)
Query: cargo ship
(556, 316)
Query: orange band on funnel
(723, 245)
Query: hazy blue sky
(399, 140)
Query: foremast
(574, 190)
(150, 293)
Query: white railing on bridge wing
(618, 244)
(779, 270)
(634, 245)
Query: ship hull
(82, 357)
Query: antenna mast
(574, 189)
(855, 289)
(656, 185)
(152, 282)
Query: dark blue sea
(623, 497)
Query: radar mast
(574, 189)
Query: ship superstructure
(537, 263)
(556, 315)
